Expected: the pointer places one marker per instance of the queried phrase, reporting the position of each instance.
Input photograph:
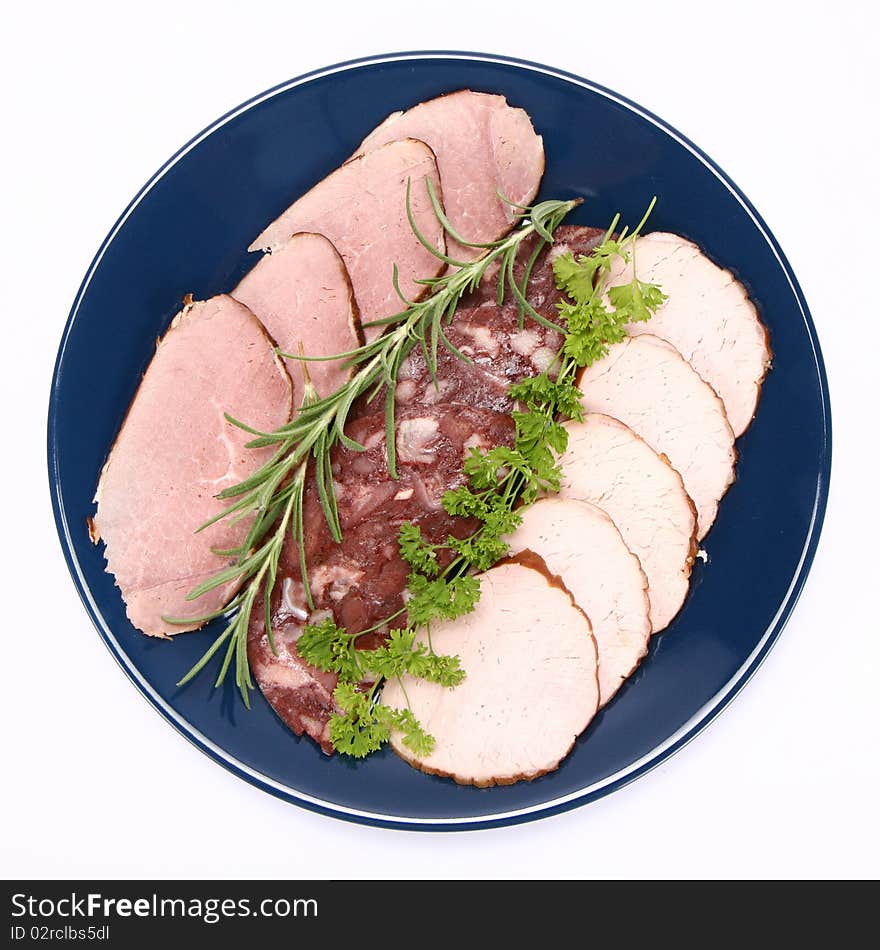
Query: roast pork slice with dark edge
(579, 545)
(361, 209)
(302, 295)
(176, 451)
(607, 464)
(707, 317)
(483, 146)
(530, 686)
(648, 385)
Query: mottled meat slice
(541, 291)
(176, 451)
(578, 544)
(648, 385)
(607, 464)
(361, 209)
(707, 317)
(303, 297)
(489, 334)
(575, 239)
(501, 353)
(361, 581)
(530, 685)
(483, 146)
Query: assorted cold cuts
(592, 572)
(361, 581)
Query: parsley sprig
(364, 724)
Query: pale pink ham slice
(607, 464)
(578, 544)
(707, 317)
(361, 209)
(483, 146)
(303, 297)
(530, 688)
(648, 385)
(176, 451)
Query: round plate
(188, 230)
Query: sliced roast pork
(578, 544)
(707, 317)
(361, 208)
(607, 464)
(648, 385)
(483, 146)
(303, 297)
(530, 685)
(361, 581)
(176, 451)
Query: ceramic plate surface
(188, 230)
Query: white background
(782, 96)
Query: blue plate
(188, 230)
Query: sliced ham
(530, 687)
(176, 451)
(303, 297)
(578, 544)
(707, 317)
(483, 146)
(607, 464)
(361, 209)
(648, 385)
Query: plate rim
(660, 753)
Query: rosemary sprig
(273, 495)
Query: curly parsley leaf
(440, 599)
(414, 736)
(542, 394)
(415, 551)
(575, 276)
(365, 725)
(635, 302)
(331, 649)
(357, 730)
